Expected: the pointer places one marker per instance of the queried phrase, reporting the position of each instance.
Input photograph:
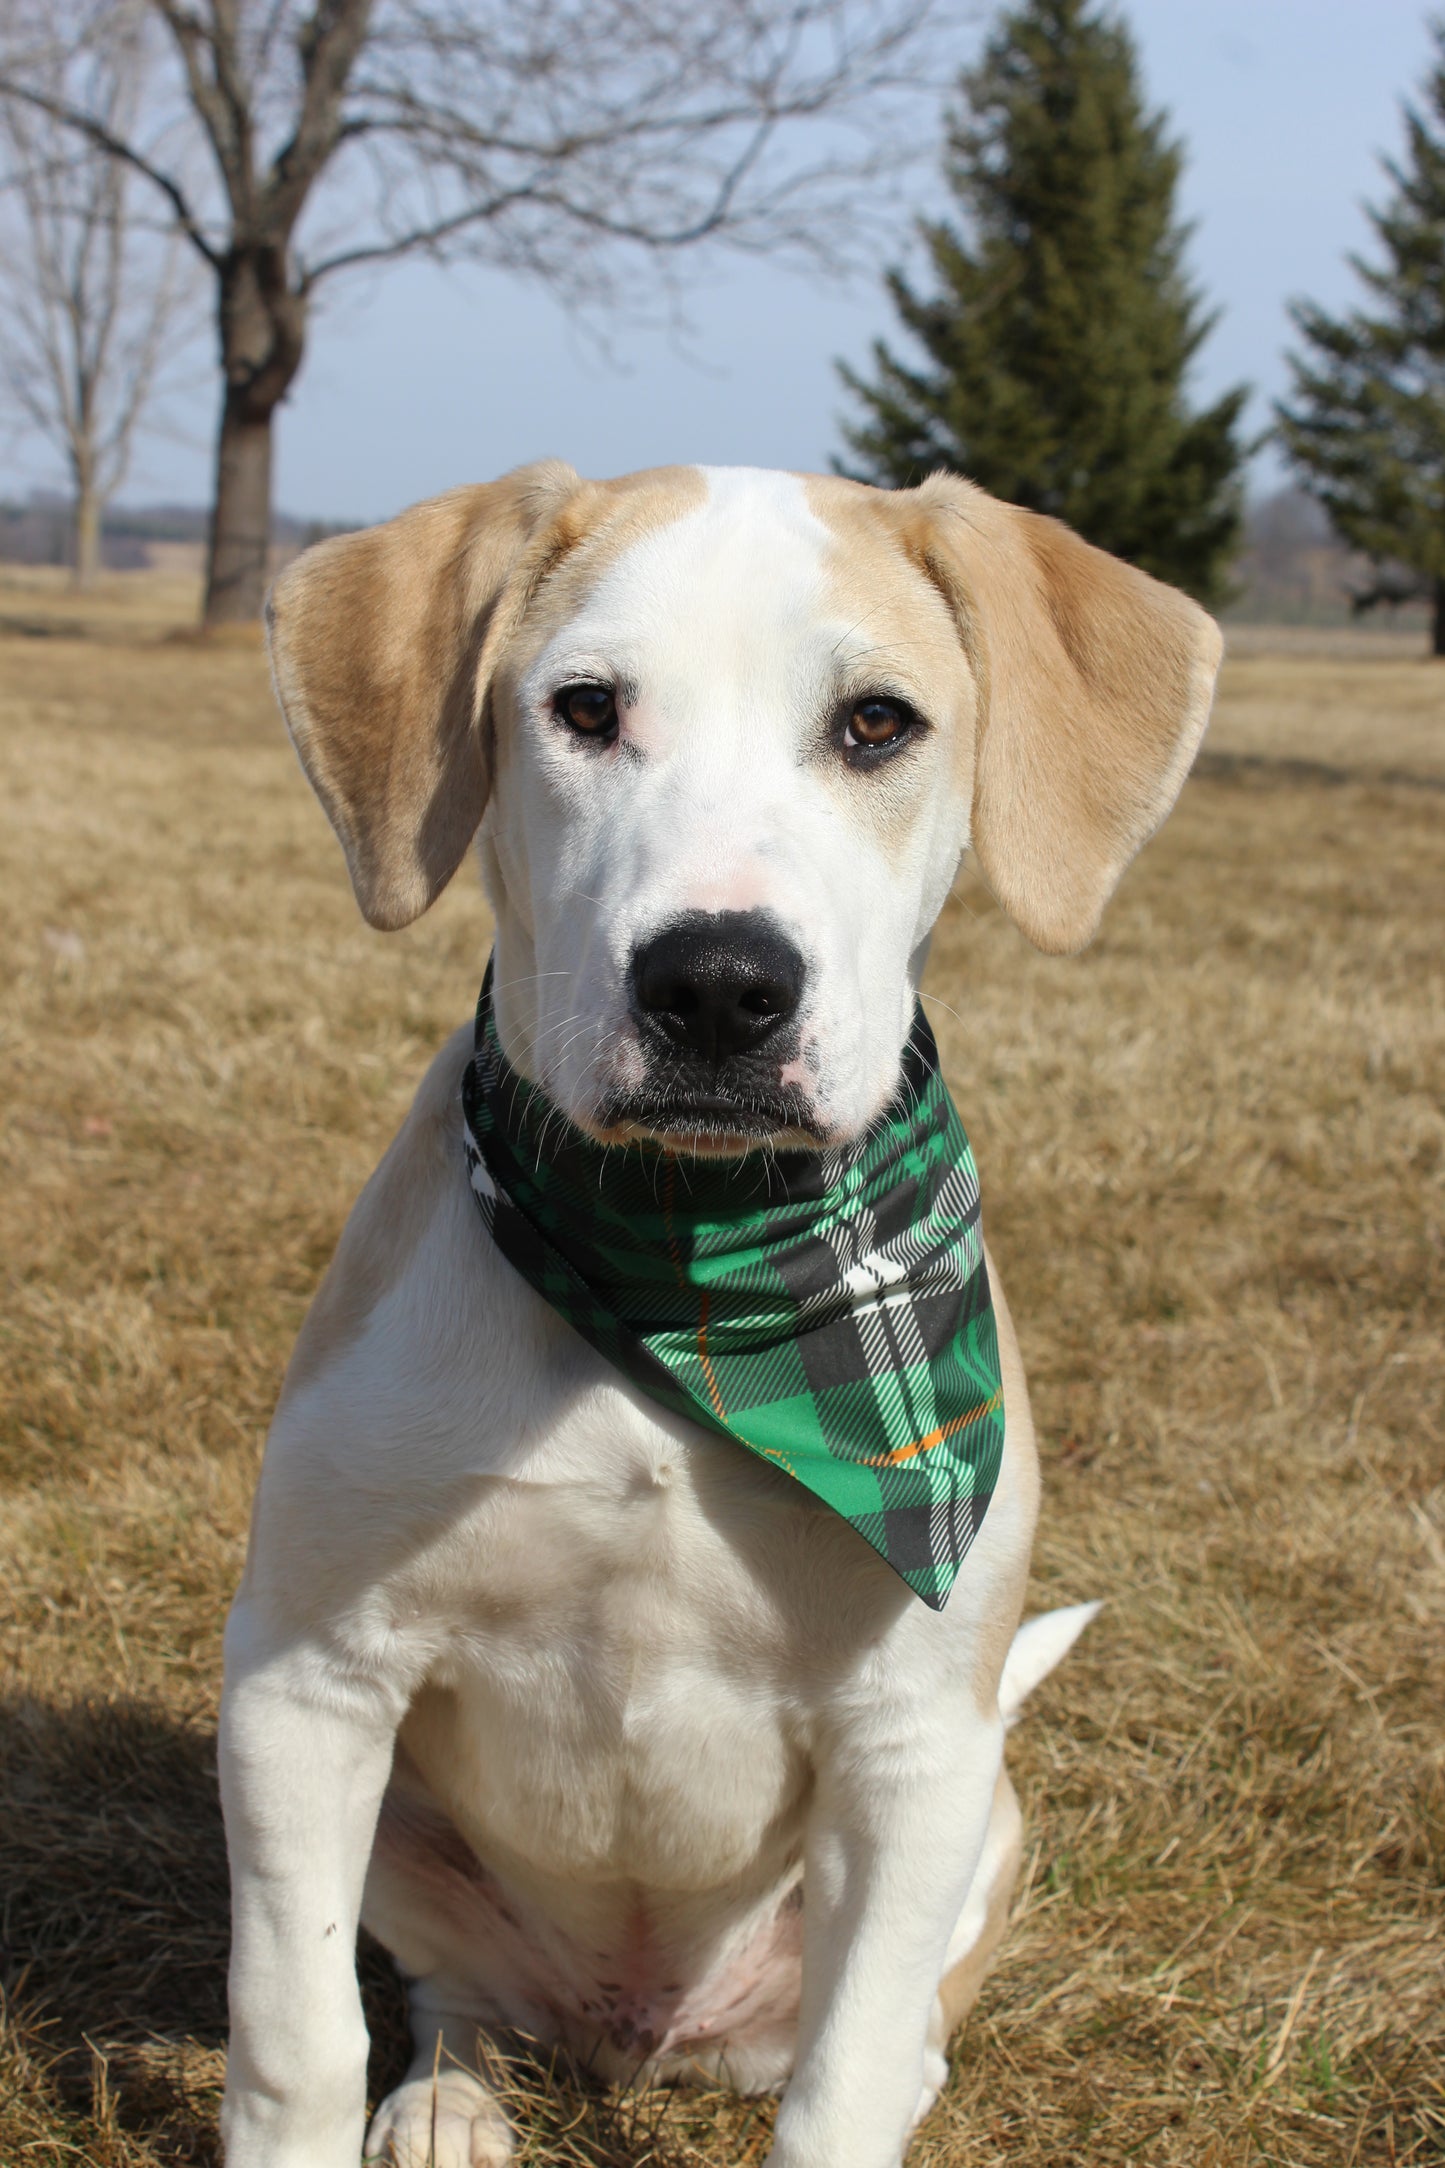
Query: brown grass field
(1214, 1177)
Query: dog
(614, 1735)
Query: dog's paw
(450, 2121)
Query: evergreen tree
(1366, 427)
(1063, 324)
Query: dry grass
(1338, 705)
(1212, 1153)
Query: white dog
(617, 1737)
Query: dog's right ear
(380, 650)
(1094, 690)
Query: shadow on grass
(114, 1918)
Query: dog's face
(726, 735)
(730, 788)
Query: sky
(429, 378)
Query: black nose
(718, 982)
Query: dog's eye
(590, 710)
(875, 724)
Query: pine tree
(1063, 324)
(1366, 426)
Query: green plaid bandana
(829, 1311)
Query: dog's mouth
(715, 1124)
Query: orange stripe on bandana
(706, 1360)
(949, 1429)
(669, 1196)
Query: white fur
(622, 1686)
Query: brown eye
(874, 724)
(590, 710)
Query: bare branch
(414, 241)
(105, 139)
(329, 45)
(517, 131)
(217, 96)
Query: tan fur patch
(1093, 685)
(383, 645)
(375, 643)
(598, 524)
(876, 585)
(1097, 685)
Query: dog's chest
(617, 1692)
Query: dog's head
(725, 735)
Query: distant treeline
(39, 532)
(1292, 569)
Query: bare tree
(553, 138)
(90, 299)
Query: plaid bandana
(829, 1311)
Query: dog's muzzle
(715, 996)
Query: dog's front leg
(894, 1837)
(304, 1754)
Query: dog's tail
(1039, 1644)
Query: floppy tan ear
(1095, 683)
(379, 645)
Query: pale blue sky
(431, 378)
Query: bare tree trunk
(263, 329)
(85, 555)
(240, 516)
(1437, 630)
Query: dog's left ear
(379, 648)
(1095, 683)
